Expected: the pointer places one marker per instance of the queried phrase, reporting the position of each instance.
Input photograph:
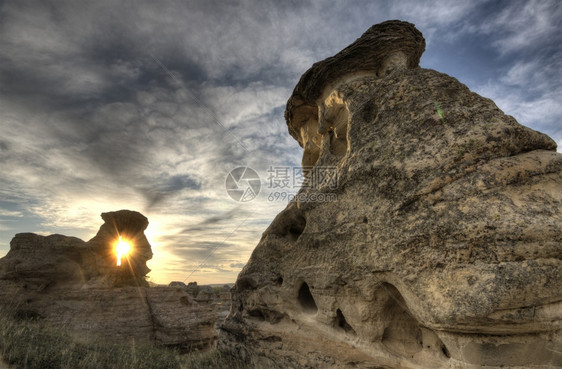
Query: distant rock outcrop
(428, 233)
(130, 225)
(78, 285)
(43, 261)
(61, 261)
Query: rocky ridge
(436, 236)
(78, 286)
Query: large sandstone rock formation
(78, 286)
(438, 244)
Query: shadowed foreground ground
(28, 343)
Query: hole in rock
(289, 224)
(334, 121)
(402, 334)
(306, 300)
(245, 283)
(279, 281)
(24, 314)
(296, 227)
(257, 314)
(445, 351)
(342, 323)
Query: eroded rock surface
(437, 244)
(78, 286)
(381, 49)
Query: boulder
(428, 232)
(177, 284)
(205, 294)
(192, 288)
(225, 295)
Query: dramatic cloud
(108, 106)
(528, 81)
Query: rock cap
(381, 48)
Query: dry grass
(28, 343)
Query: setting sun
(122, 249)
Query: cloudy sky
(147, 105)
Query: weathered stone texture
(381, 49)
(443, 248)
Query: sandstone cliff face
(78, 286)
(438, 244)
